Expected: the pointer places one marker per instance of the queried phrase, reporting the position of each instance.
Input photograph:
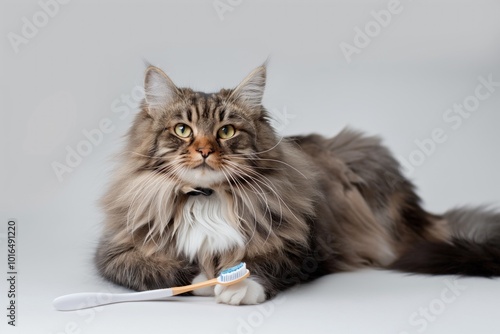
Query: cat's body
(292, 208)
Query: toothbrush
(78, 301)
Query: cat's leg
(208, 291)
(127, 264)
(268, 276)
(247, 292)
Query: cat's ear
(159, 90)
(251, 89)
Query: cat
(205, 182)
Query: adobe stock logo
(121, 106)
(30, 28)
(373, 28)
(280, 119)
(453, 118)
(426, 315)
(223, 6)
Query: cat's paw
(246, 292)
(208, 291)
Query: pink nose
(205, 151)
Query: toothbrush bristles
(233, 273)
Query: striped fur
(293, 208)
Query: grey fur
(478, 224)
(306, 205)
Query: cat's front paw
(246, 292)
(208, 291)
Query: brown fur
(306, 205)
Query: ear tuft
(251, 90)
(159, 90)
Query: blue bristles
(233, 273)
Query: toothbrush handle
(186, 288)
(78, 301)
(210, 282)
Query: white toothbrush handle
(82, 300)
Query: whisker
(265, 151)
(273, 160)
(241, 191)
(266, 182)
(262, 195)
(144, 192)
(233, 195)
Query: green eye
(226, 132)
(182, 130)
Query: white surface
(72, 75)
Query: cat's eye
(226, 132)
(182, 130)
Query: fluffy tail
(474, 249)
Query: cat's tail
(473, 249)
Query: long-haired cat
(205, 182)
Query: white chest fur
(205, 227)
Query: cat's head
(203, 139)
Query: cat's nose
(205, 151)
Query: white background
(73, 72)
